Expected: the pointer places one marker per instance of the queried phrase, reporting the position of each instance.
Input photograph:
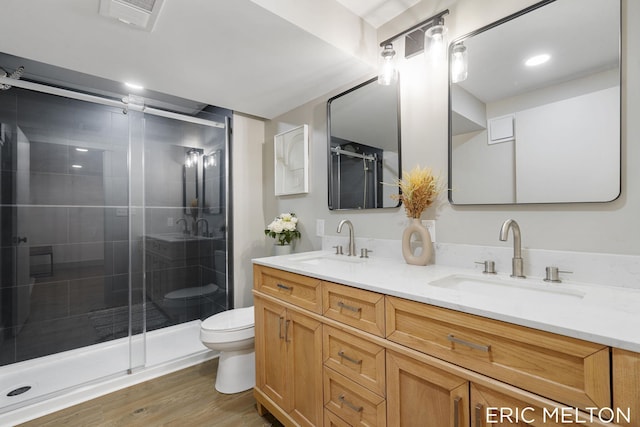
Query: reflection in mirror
(190, 190)
(212, 182)
(546, 131)
(364, 146)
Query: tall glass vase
(418, 251)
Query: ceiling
(234, 54)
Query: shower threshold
(65, 379)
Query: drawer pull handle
(286, 330)
(349, 307)
(485, 348)
(456, 412)
(349, 404)
(478, 415)
(285, 287)
(350, 359)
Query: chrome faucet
(352, 240)
(206, 223)
(516, 262)
(184, 228)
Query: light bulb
(434, 41)
(388, 73)
(459, 63)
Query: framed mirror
(364, 146)
(291, 157)
(534, 107)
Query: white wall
(596, 227)
(248, 227)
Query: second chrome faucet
(352, 240)
(517, 265)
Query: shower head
(15, 75)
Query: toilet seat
(228, 326)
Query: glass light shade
(459, 63)
(191, 158)
(435, 41)
(388, 72)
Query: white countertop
(602, 314)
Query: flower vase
(420, 250)
(281, 249)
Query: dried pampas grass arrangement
(419, 188)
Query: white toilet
(232, 334)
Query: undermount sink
(500, 287)
(319, 259)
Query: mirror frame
(450, 115)
(330, 189)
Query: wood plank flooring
(185, 398)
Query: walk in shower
(114, 236)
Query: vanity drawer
(564, 369)
(332, 420)
(300, 290)
(355, 307)
(351, 402)
(355, 358)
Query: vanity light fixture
(211, 160)
(537, 60)
(191, 158)
(426, 36)
(435, 40)
(459, 63)
(388, 72)
(76, 166)
(82, 150)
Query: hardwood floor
(185, 398)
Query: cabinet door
(303, 336)
(495, 407)
(423, 396)
(271, 352)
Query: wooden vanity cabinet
(333, 355)
(288, 347)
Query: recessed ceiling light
(537, 60)
(133, 86)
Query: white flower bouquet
(283, 228)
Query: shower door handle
(17, 240)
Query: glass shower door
(64, 207)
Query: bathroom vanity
(344, 341)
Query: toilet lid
(196, 291)
(230, 320)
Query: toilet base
(236, 371)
